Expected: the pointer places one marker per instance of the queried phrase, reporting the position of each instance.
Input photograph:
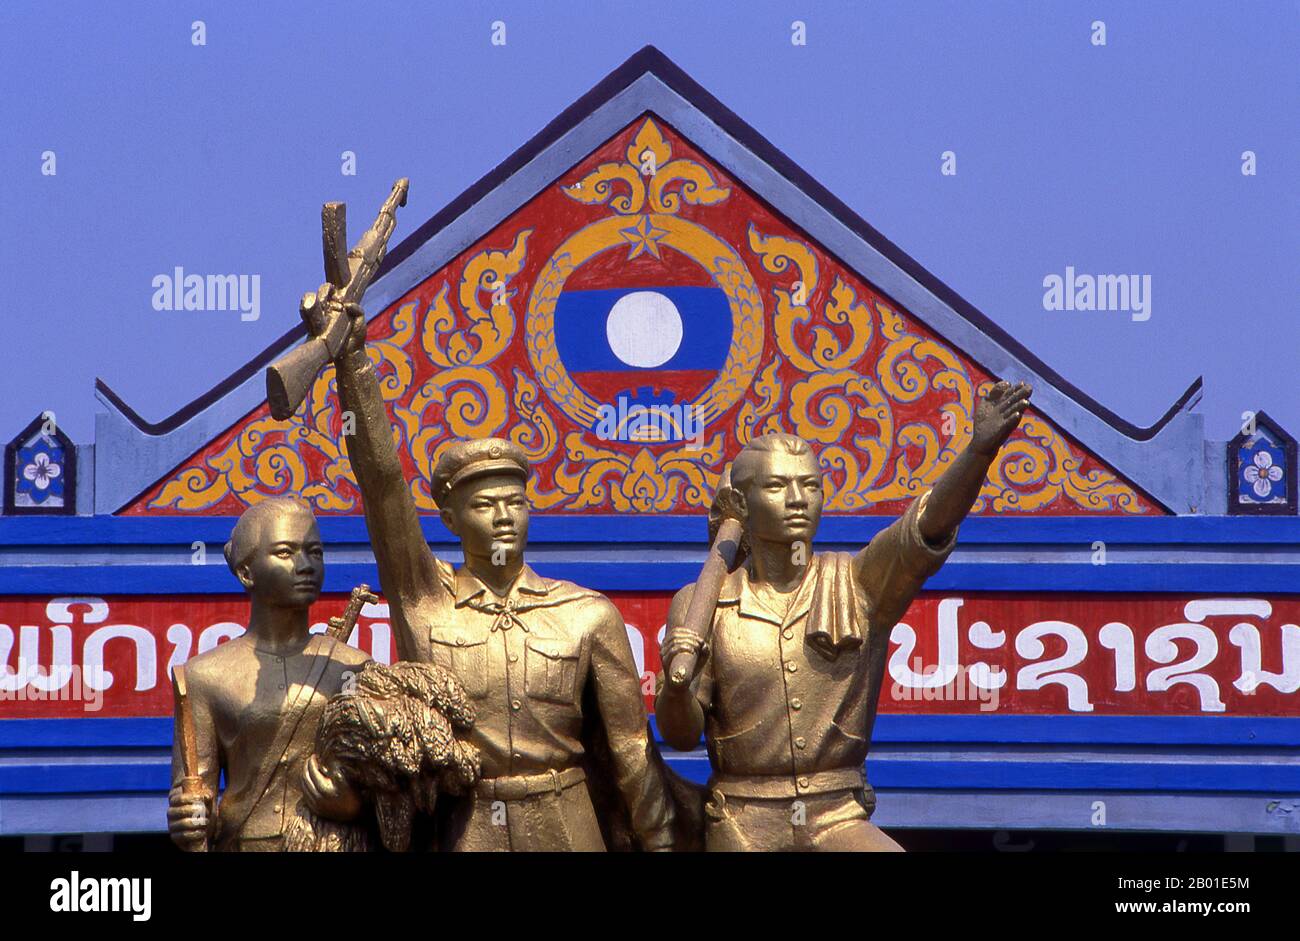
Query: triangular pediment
(683, 267)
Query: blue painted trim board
(1264, 732)
(689, 529)
(1046, 577)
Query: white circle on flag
(644, 329)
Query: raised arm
(407, 569)
(996, 415)
(617, 686)
(896, 563)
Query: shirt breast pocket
(551, 670)
(464, 655)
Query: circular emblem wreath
(713, 254)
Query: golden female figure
(256, 700)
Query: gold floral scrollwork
(750, 415)
(490, 330)
(1032, 471)
(598, 187)
(698, 186)
(268, 456)
(892, 324)
(842, 308)
(473, 404)
(1020, 465)
(648, 149)
(903, 377)
(252, 470)
(536, 432)
(778, 255)
(845, 486)
(908, 480)
(390, 357)
(821, 416)
(590, 475)
(471, 396)
(649, 156)
(192, 489)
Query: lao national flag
(648, 346)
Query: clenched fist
(189, 819)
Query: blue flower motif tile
(40, 475)
(40, 470)
(1261, 469)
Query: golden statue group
(514, 719)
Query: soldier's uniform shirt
(526, 661)
(240, 696)
(790, 699)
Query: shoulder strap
(290, 722)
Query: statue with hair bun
(251, 707)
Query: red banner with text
(971, 653)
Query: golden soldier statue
(547, 666)
(253, 704)
(544, 662)
(786, 666)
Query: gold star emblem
(643, 237)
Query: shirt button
(276, 808)
(799, 742)
(788, 635)
(796, 703)
(514, 658)
(518, 757)
(803, 782)
(792, 667)
(460, 642)
(516, 705)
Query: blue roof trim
(1210, 771)
(134, 732)
(1205, 812)
(1041, 577)
(891, 728)
(1247, 731)
(1165, 460)
(153, 555)
(1207, 773)
(687, 530)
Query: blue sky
(1119, 159)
